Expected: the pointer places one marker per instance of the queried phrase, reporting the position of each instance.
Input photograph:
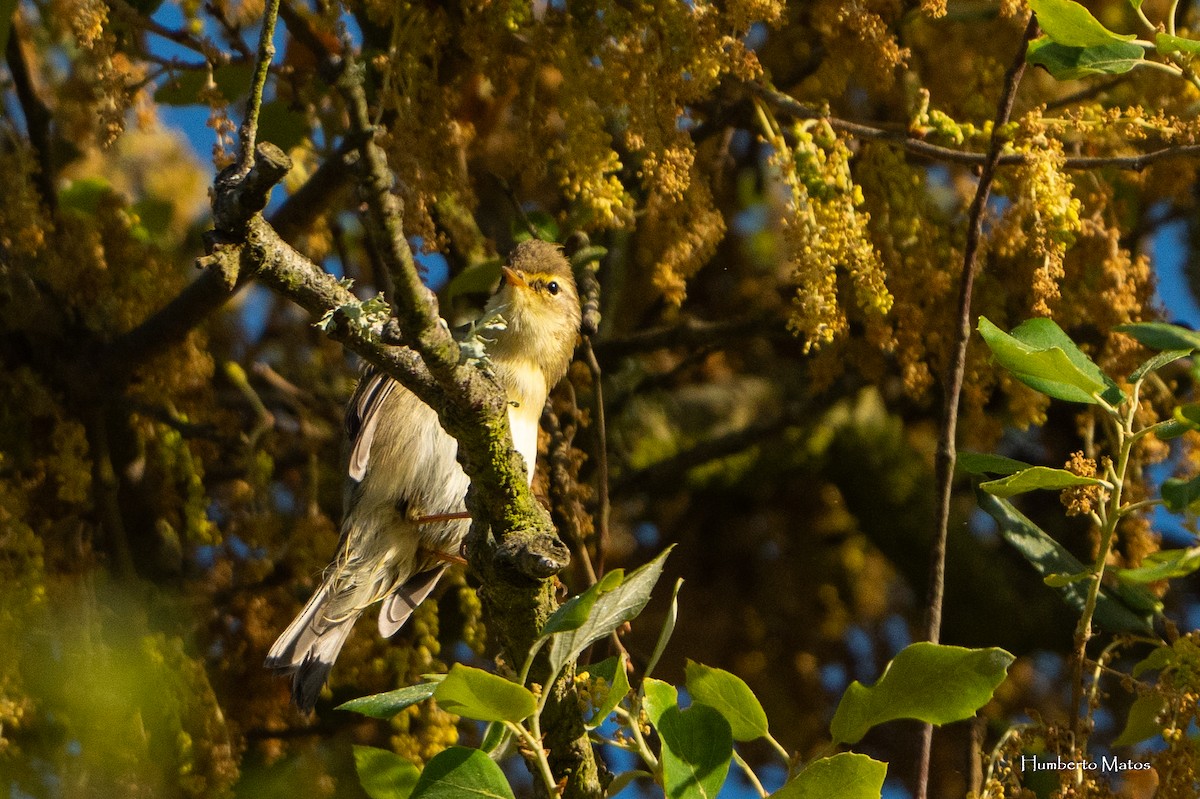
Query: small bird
(404, 512)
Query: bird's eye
(552, 287)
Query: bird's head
(539, 301)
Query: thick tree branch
(956, 369)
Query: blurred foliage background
(778, 299)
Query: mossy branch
(512, 546)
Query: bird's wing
(362, 417)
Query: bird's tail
(310, 645)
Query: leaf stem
(533, 740)
(1112, 516)
(750, 775)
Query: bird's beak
(514, 278)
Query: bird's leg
(434, 518)
(446, 557)
(416, 517)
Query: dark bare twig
(37, 119)
(794, 108)
(130, 15)
(947, 451)
(691, 333)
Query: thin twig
(947, 453)
(131, 16)
(789, 106)
(262, 65)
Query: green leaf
(1034, 478)
(1042, 356)
(729, 695)
(1188, 414)
(1179, 495)
(545, 227)
(658, 698)
(1157, 660)
(574, 613)
(281, 125)
(478, 279)
(1167, 44)
(1073, 63)
(1124, 609)
(84, 195)
(481, 695)
(1161, 336)
(1069, 23)
(843, 776)
(386, 705)
(615, 672)
(461, 773)
(1165, 431)
(986, 463)
(668, 628)
(1157, 362)
(928, 682)
(610, 610)
(233, 80)
(384, 774)
(1142, 722)
(696, 749)
(1163, 565)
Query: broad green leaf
(658, 698)
(1142, 722)
(1188, 414)
(1157, 362)
(1166, 44)
(1163, 565)
(843, 776)
(696, 749)
(1034, 478)
(84, 195)
(545, 227)
(1042, 356)
(729, 695)
(1172, 428)
(574, 613)
(1179, 495)
(1073, 63)
(462, 773)
(386, 705)
(1069, 23)
(1157, 660)
(615, 672)
(610, 610)
(233, 80)
(481, 695)
(1161, 336)
(1124, 609)
(279, 124)
(384, 774)
(986, 463)
(928, 682)
(478, 279)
